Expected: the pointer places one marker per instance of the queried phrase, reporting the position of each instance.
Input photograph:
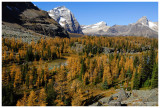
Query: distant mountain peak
(144, 17)
(101, 23)
(61, 8)
(143, 20)
(66, 19)
(99, 28)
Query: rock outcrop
(130, 98)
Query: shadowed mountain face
(30, 17)
(66, 19)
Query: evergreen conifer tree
(105, 85)
(154, 81)
(136, 81)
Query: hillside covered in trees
(92, 66)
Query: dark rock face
(31, 17)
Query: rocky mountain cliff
(66, 19)
(26, 16)
(99, 28)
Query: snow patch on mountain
(153, 26)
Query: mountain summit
(144, 21)
(66, 19)
(152, 25)
(99, 28)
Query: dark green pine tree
(27, 81)
(51, 95)
(151, 62)
(136, 61)
(145, 69)
(136, 81)
(9, 97)
(128, 73)
(105, 85)
(87, 81)
(29, 54)
(154, 81)
(82, 70)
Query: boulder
(107, 50)
(121, 95)
(142, 98)
(153, 96)
(114, 103)
(104, 100)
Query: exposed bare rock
(130, 98)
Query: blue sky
(120, 13)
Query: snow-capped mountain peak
(97, 25)
(101, 23)
(66, 19)
(99, 28)
(145, 22)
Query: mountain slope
(99, 28)
(29, 17)
(131, 30)
(66, 19)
